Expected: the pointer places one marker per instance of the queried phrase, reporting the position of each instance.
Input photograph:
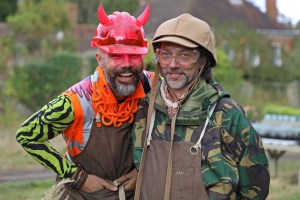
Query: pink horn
(143, 18)
(102, 16)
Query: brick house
(282, 35)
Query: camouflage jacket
(234, 163)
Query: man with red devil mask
(95, 116)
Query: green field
(28, 190)
(13, 159)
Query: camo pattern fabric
(234, 163)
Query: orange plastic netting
(105, 103)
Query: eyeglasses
(184, 57)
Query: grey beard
(120, 90)
(123, 90)
(176, 84)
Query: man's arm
(252, 162)
(35, 133)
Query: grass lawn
(14, 159)
(32, 190)
(285, 185)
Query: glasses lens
(185, 57)
(164, 57)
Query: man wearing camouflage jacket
(197, 141)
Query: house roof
(210, 11)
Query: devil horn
(143, 18)
(102, 16)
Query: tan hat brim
(177, 40)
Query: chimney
(271, 9)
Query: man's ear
(98, 58)
(202, 63)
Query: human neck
(120, 99)
(177, 94)
(180, 93)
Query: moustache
(127, 69)
(176, 70)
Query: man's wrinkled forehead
(174, 46)
(103, 53)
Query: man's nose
(125, 59)
(173, 62)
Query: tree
(87, 11)
(292, 61)
(43, 80)
(243, 46)
(37, 23)
(7, 8)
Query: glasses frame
(177, 59)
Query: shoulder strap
(145, 84)
(149, 115)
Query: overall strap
(146, 84)
(198, 144)
(150, 110)
(167, 193)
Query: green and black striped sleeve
(34, 135)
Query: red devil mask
(121, 33)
